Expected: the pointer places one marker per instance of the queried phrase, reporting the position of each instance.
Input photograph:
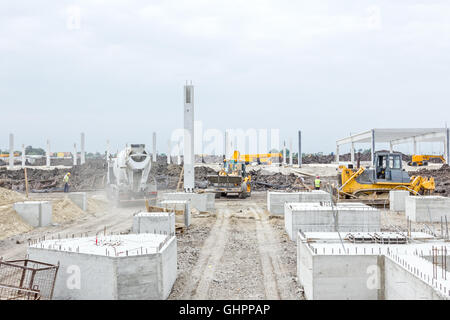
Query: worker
(317, 183)
(66, 182)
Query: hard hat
(317, 177)
(68, 173)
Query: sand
(11, 223)
(9, 196)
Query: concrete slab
(276, 200)
(154, 222)
(397, 200)
(322, 217)
(79, 198)
(427, 208)
(35, 213)
(119, 267)
(200, 201)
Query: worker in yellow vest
(317, 183)
(66, 182)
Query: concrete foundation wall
(199, 201)
(35, 213)
(427, 208)
(154, 222)
(80, 276)
(276, 200)
(79, 198)
(397, 200)
(321, 219)
(305, 269)
(400, 284)
(92, 277)
(178, 205)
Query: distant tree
(34, 151)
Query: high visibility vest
(66, 178)
(317, 183)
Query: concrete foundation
(199, 201)
(120, 267)
(35, 213)
(322, 217)
(427, 208)
(154, 222)
(181, 208)
(397, 200)
(79, 198)
(276, 200)
(368, 266)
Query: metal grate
(27, 280)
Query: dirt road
(245, 256)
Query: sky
(115, 69)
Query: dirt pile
(11, 223)
(9, 196)
(65, 210)
(441, 178)
(91, 175)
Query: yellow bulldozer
(418, 160)
(232, 179)
(386, 175)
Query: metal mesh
(27, 280)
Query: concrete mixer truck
(128, 175)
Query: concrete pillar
(154, 147)
(168, 152)
(48, 154)
(290, 152)
(107, 150)
(11, 151)
(337, 153)
(24, 157)
(189, 179)
(74, 154)
(83, 153)
(179, 154)
(352, 153)
(414, 146)
(299, 148)
(391, 147)
(447, 146)
(226, 145)
(284, 152)
(372, 149)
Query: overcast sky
(115, 69)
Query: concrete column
(11, 151)
(414, 146)
(391, 147)
(74, 154)
(372, 149)
(48, 154)
(284, 152)
(189, 179)
(337, 153)
(447, 146)
(154, 147)
(290, 152)
(225, 144)
(299, 148)
(168, 152)
(24, 157)
(83, 153)
(179, 154)
(352, 153)
(107, 150)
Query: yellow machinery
(423, 159)
(232, 179)
(260, 158)
(387, 175)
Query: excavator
(423, 159)
(376, 182)
(232, 179)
